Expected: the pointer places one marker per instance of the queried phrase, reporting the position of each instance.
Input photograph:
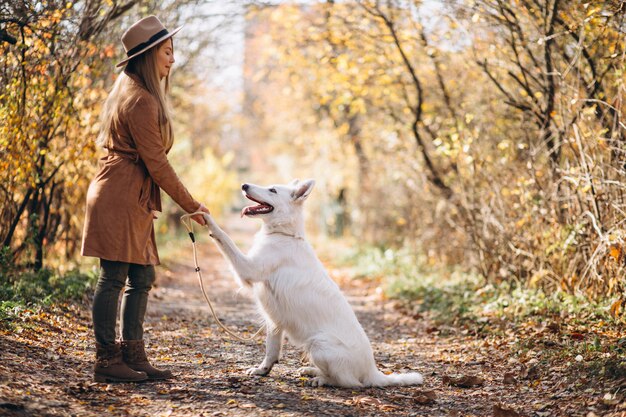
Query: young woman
(124, 197)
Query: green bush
(8, 310)
(46, 286)
(74, 285)
(42, 288)
(33, 287)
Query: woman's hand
(199, 218)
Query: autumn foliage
(56, 68)
(480, 133)
(469, 158)
(485, 133)
(51, 87)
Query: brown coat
(126, 189)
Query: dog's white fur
(298, 298)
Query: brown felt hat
(143, 35)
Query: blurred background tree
(481, 133)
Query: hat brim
(156, 42)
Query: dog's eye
(273, 190)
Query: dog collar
(276, 232)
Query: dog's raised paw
(261, 371)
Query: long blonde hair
(144, 66)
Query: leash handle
(185, 219)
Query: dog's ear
(303, 190)
(294, 181)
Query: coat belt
(149, 188)
(132, 156)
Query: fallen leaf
(611, 399)
(465, 381)
(501, 411)
(364, 401)
(531, 372)
(424, 397)
(509, 378)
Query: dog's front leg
(240, 262)
(273, 345)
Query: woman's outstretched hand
(199, 218)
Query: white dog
(296, 295)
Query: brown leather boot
(110, 367)
(135, 356)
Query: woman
(123, 198)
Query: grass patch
(449, 294)
(556, 327)
(28, 290)
(455, 295)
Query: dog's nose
(245, 187)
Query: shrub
(43, 288)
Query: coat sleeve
(143, 124)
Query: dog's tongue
(259, 209)
(250, 210)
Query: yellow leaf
(616, 307)
(537, 277)
(593, 11)
(616, 252)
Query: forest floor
(46, 361)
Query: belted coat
(126, 190)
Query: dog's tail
(383, 380)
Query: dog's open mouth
(262, 208)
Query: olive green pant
(113, 276)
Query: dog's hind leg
(334, 363)
(319, 381)
(273, 345)
(309, 371)
(346, 380)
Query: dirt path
(45, 370)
